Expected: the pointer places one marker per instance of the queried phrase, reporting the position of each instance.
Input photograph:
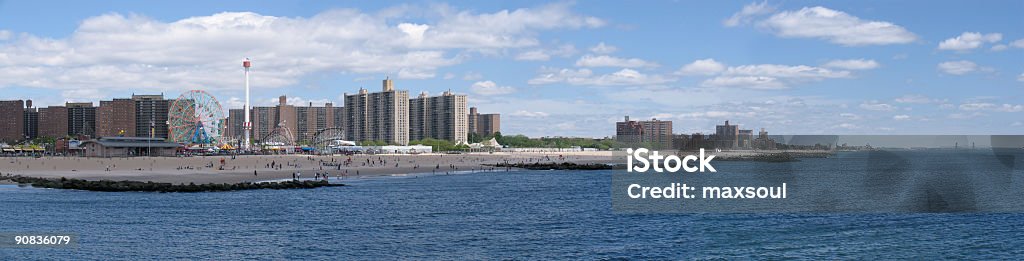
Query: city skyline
(556, 69)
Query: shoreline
(263, 168)
(240, 169)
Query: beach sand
(206, 169)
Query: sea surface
(496, 215)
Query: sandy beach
(252, 168)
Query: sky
(564, 68)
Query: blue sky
(551, 68)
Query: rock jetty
(139, 186)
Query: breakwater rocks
(775, 156)
(553, 166)
(125, 186)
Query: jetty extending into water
(139, 186)
(553, 166)
(771, 156)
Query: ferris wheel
(195, 118)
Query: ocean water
(501, 215)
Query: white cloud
(901, 117)
(489, 88)
(587, 77)
(753, 82)
(115, 51)
(855, 64)
(991, 107)
(414, 31)
(958, 67)
(999, 47)
(876, 106)
(533, 55)
(787, 71)
(850, 116)
(749, 11)
(702, 67)
(531, 114)
(566, 126)
(564, 50)
(914, 99)
(963, 116)
(472, 76)
(968, 41)
(5, 35)
(449, 76)
(758, 76)
(413, 73)
(836, 27)
(1019, 43)
(602, 48)
(611, 61)
(1020, 77)
(845, 126)
(82, 95)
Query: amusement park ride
(196, 119)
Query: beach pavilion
(129, 146)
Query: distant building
(763, 142)
(654, 132)
(483, 124)
(745, 139)
(12, 121)
(264, 120)
(303, 122)
(312, 119)
(287, 117)
(128, 146)
(339, 117)
(53, 122)
(151, 116)
(235, 125)
(380, 116)
(31, 121)
(116, 118)
(81, 119)
(727, 136)
(440, 117)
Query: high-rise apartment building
(745, 139)
(483, 124)
(31, 122)
(264, 120)
(287, 117)
(312, 119)
(655, 133)
(53, 122)
(727, 136)
(303, 122)
(439, 117)
(116, 118)
(380, 116)
(151, 115)
(235, 125)
(339, 117)
(81, 119)
(12, 121)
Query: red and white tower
(248, 123)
